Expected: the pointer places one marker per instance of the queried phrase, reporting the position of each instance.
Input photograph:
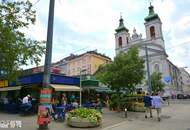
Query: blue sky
(83, 25)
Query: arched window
(120, 42)
(156, 68)
(152, 32)
(127, 39)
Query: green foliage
(156, 83)
(126, 71)
(114, 101)
(15, 49)
(91, 114)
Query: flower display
(91, 115)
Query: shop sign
(3, 83)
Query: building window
(156, 68)
(127, 39)
(152, 32)
(120, 42)
(90, 68)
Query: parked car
(186, 96)
(180, 96)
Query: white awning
(60, 87)
(10, 88)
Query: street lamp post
(81, 86)
(80, 90)
(148, 71)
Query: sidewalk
(174, 117)
(29, 122)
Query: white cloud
(184, 23)
(37, 31)
(165, 10)
(175, 22)
(85, 16)
(100, 18)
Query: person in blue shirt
(148, 105)
(157, 104)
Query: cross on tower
(151, 1)
(120, 14)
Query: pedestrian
(72, 98)
(157, 100)
(27, 102)
(5, 100)
(63, 100)
(75, 103)
(98, 105)
(107, 101)
(148, 105)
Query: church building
(154, 43)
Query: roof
(182, 69)
(152, 15)
(72, 56)
(172, 64)
(121, 26)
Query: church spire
(121, 25)
(152, 15)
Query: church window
(152, 32)
(156, 68)
(120, 42)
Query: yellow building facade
(87, 62)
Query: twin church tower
(154, 41)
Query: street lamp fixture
(83, 70)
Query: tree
(156, 82)
(126, 71)
(15, 48)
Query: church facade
(154, 43)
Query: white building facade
(154, 41)
(185, 78)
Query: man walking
(157, 104)
(148, 105)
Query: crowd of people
(62, 100)
(70, 102)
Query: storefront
(32, 84)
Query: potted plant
(84, 117)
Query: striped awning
(10, 88)
(60, 87)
